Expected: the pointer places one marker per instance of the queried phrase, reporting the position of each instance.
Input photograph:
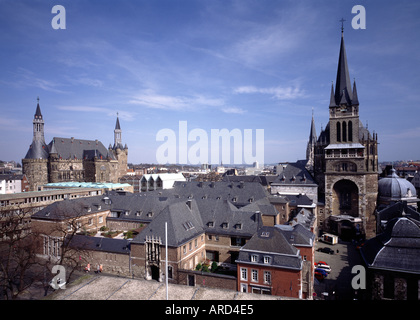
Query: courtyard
(337, 285)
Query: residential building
(272, 263)
(158, 181)
(13, 183)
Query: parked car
(325, 267)
(321, 271)
(320, 262)
(319, 276)
(326, 250)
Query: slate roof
(395, 188)
(70, 148)
(297, 235)
(37, 150)
(103, 244)
(294, 173)
(239, 193)
(272, 242)
(184, 224)
(397, 249)
(71, 208)
(397, 209)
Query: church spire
(343, 92)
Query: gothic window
(338, 131)
(344, 131)
(350, 131)
(345, 200)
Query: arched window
(344, 131)
(338, 131)
(350, 131)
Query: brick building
(278, 261)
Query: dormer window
(254, 258)
(238, 226)
(267, 260)
(210, 224)
(225, 225)
(149, 214)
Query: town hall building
(70, 159)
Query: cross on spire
(342, 24)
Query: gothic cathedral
(344, 162)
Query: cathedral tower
(346, 162)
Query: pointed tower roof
(343, 91)
(117, 124)
(312, 133)
(38, 114)
(332, 98)
(355, 100)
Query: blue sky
(215, 64)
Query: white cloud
(280, 93)
(124, 115)
(177, 103)
(233, 110)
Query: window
(338, 131)
(254, 258)
(350, 131)
(170, 272)
(101, 219)
(344, 131)
(190, 246)
(225, 225)
(184, 249)
(196, 243)
(90, 221)
(244, 274)
(267, 260)
(267, 277)
(254, 275)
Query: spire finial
(37, 99)
(342, 25)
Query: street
(338, 283)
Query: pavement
(338, 283)
(105, 287)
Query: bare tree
(69, 220)
(19, 265)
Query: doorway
(155, 272)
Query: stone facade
(65, 159)
(346, 163)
